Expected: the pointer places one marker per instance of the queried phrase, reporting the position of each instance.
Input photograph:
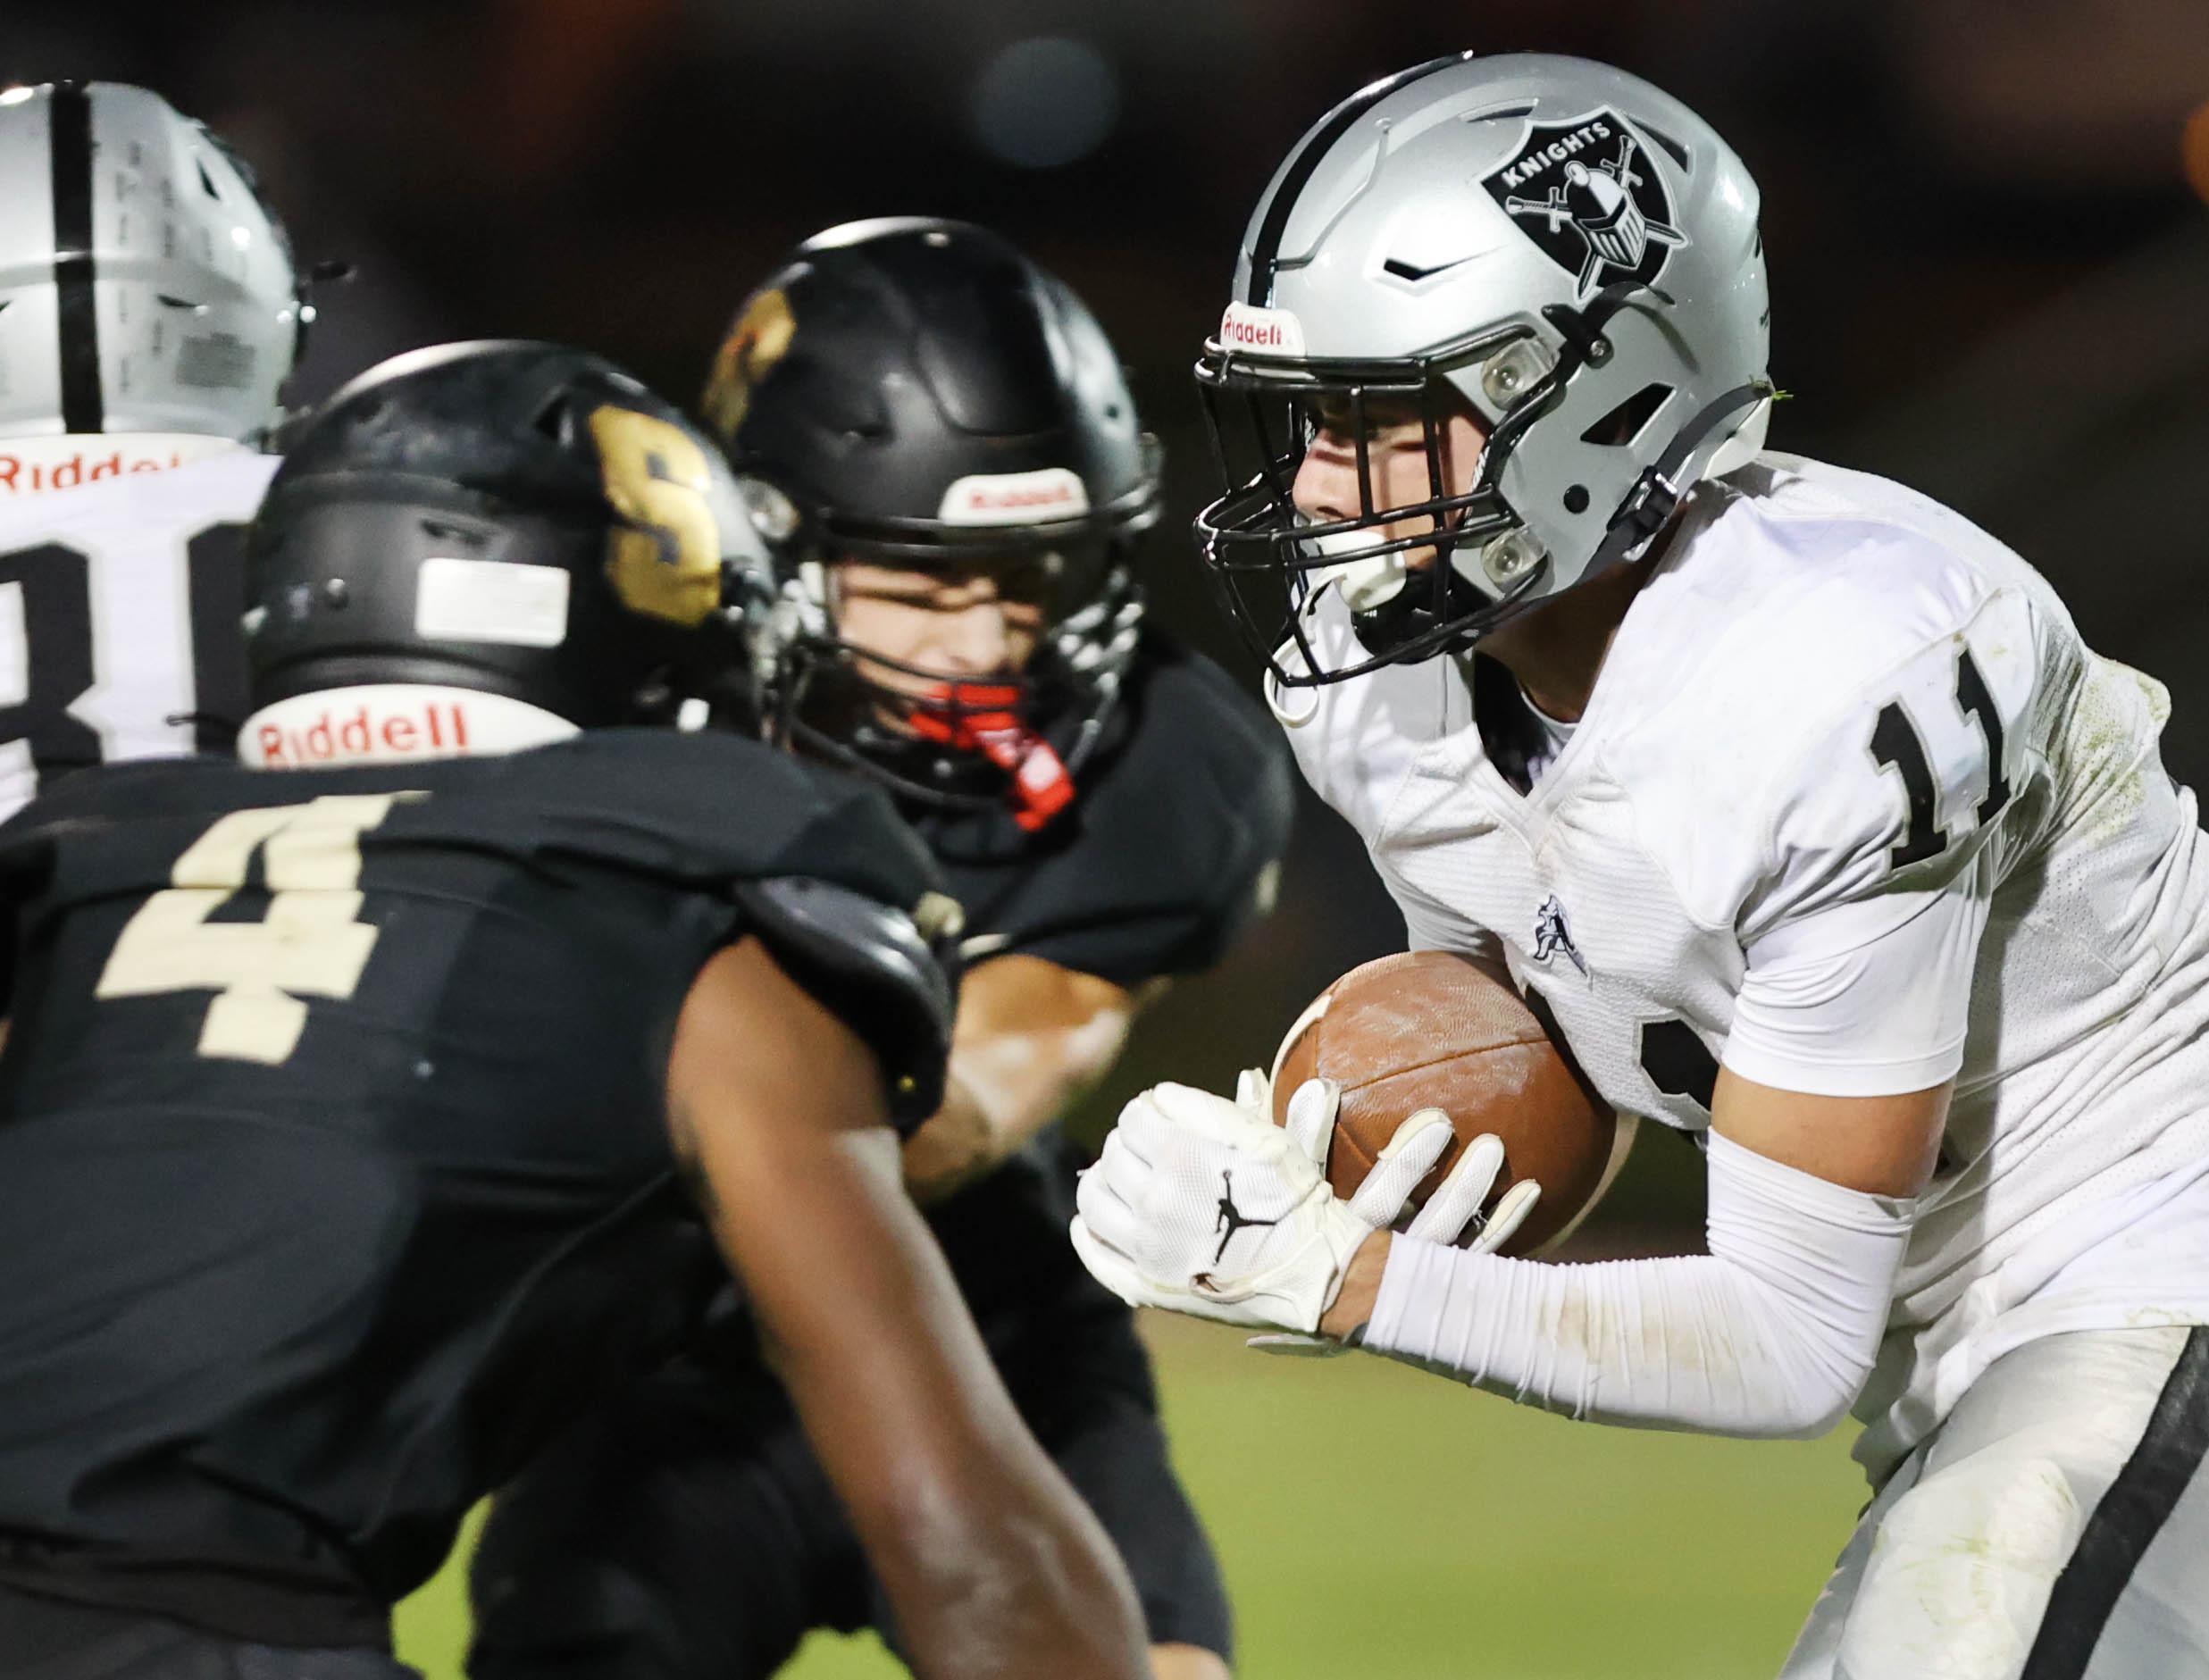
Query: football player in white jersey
(150, 315)
(1800, 805)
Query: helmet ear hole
(1624, 424)
(551, 420)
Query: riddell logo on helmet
(22, 476)
(385, 723)
(1267, 331)
(360, 736)
(1015, 498)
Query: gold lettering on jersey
(310, 944)
(666, 563)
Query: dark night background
(1988, 269)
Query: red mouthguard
(982, 717)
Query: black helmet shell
(888, 362)
(489, 455)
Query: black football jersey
(1172, 844)
(1169, 850)
(334, 1168)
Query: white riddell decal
(1015, 498)
(1266, 331)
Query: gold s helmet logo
(759, 339)
(666, 561)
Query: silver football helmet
(145, 287)
(1558, 245)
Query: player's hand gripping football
(1200, 1205)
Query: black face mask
(1014, 741)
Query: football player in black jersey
(937, 437)
(373, 1106)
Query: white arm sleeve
(1772, 1334)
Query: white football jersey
(1854, 811)
(120, 598)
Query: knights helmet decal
(1587, 192)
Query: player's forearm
(1032, 1039)
(1024, 1583)
(1773, 1334)
(963, 1140)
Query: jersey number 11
(1896, 744)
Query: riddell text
(18, 478)
(1254, 335)
(440, 727)
(998, 501)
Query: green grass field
(1374, 1520)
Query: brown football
(1433, 1030)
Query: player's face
(955, 626)
(1395, 448)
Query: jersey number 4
(1896, 744)
(311, 942)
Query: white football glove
(1201, 1205)
(1454, 1204)
(1457, 1200)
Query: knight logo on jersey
(1551, 938)
(1587, 194)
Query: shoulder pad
(876, 967)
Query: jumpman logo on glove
(1231, 1218)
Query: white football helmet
(145, 287)
(1555, 242)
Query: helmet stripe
(1266, 248)
(70, 115)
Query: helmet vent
(1402, 270)
(552, 419)
(1678, 151)
(1624, 424)
(206, 181)
(438, 530)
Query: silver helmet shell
(145, 287)
(1570, 250)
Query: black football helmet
(366, 563)
(916, 394)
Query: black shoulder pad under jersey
(706, 807)
(828, 874)
(1168, 851)
(874, 967)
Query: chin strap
(983, 718)
(1656, 495)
